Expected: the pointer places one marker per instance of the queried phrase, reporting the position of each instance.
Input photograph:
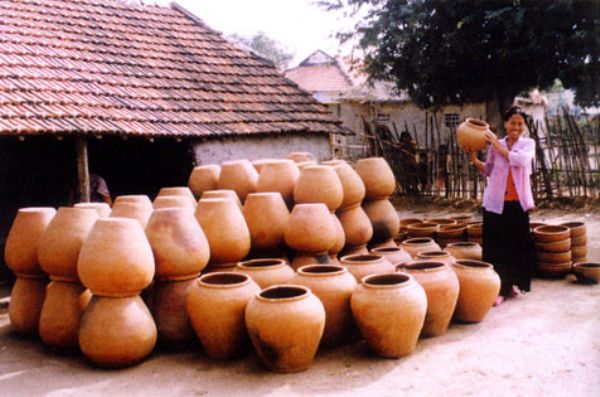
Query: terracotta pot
(441, 221)
(364, 265)
(352, 184)
(203, 178)
(400, 237)
(554, 257)
(422, 244)
(319, 184)
(167, 303)
(578, 259)
(20, 252)
(476, 240)
(394, 255)
(441, 287)
(384, 219)
(577, 229)
(25, 306)
(340, 237)
(266, 271)
(58, 249)
(219, 194)
(303, 259)
(390, 243)
(216, 304)
(464, 250)
(475, 229)
(578, 241)
(310, 229)
(533, 225)
(554, 270)
(479, 287)
(103, 209)
(138, 210)
(285, 323)
(260, 163)
(266, 216)
(408, 221)
(301, 156)
(133, 198)
(116, 258)
(358, 230)
(377, 176)
(61, 313)
(463, 219)
(470, 135)
(554, 246)
(422, 230)
(116, 332)
(389, 310)
(279, 176)
(587, 272)
(182, 191)
(307, 163)
(550, 233)
(436, 256)
(451, 232)
(173, 202)
(179, 245)
(579, 251)
(333, 285)
(226, 230)
(238, 175)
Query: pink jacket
(496, 169)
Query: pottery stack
(578, 237)
(475, 232)
(553, 250)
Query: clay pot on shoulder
(203, 178)
(20, 252)
(59, 247)
(285, 323)
(116, 259)
(216, 304)
(352, 185)
(116, 332)
(358, 230)
(240, 176)
(377, 176)
(266, 216)
(470, 134)
(298, 157)
(389, 310)
(394, 255)
(182, 191)
(310, 229)
(464, 250)
(180, 248)
(441, 287)
(173, 201)
(279, 176)
(384, 219)
(319, 184)
(363, 265)
(333, 285)
(266, 271)
(479, 287)
(421, 244)
(103, 209)
(25, 307)
(587, 272)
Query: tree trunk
(494, 109)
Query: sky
(300, 26)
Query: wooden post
(83, 175)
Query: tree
(267, 47)
(453, 52)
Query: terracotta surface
(203, 178)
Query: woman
(507, 199)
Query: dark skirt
(508, 246)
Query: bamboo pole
(83, 175)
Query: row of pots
(443, 230)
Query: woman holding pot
(506, 200)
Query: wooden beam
(83, 174)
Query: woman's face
(515, 126)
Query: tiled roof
(105, 67)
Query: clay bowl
(577, 228)
(554, 270)
(578, 241)
(549, 233)
(475, 229)
(422, 229)
(587, 272)
(462, 219)
(451, 231)
(554, 257)
(408, 221)
(553, 246)
(441, 221)
(579, 251)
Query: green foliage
(267, 47)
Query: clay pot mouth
(283, 293)
(587, 265)
(468, 263)
(260, 263)
(549, 229)
(316, 270)
(418, 240)
(424, 265)
(433, 254)
(385, 280)
(573, 225)
(224, 279)
(386, 250)
(447, 228)
(462, 244)
(440, 221)
(410, 221)
(422, 225)
(361, 258)
(477, 122)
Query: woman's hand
(491, 137)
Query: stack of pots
(475, 232)
(553, 250)
(116, 263)
(203, 178)
(578, 241)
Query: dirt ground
(544, 343)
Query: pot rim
(586, 265)
(425, 266)
(336, 270)
(477, 122)
(244, 279)
(386, 250)
(353, 258)
(551, 229)
(302, 293)
(255, 264)
(421, 240)
(463, 244)
(432, 254)
(572, 225)
(471, 264)
(396, 279)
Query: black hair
(515, 110)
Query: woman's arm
(476, 162)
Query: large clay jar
(226, 230)
(116, 332)
(437, 256)
(319, 184)
(285, 323)
(441, 287)
(394, 255)
(384, 219)
(103, 209)
(222, 194)
(183, 191)
(178, 243)
(464, 250)
(357, 227)
(279, 176)
(238, 175)
(333, 285)
(116, 259)
(310, 229)
(352, 184)
(20, 252)
(216, 304)
(421, 244)
(138, 210)
(62, 310)
(266, 216)
(470, 135)
(389, 310)
(59, 247)
(26, 300)
(301, 156)
(479, 287)
(203, 178)
(173, 201)
(378, 177)
(340, 237)
(361, 265)
(266, 271)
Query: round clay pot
(222, 194)
(577, 229)
(333, 285)
(25, 306)
(554, 257)
(310, 229)
(266, 216)
(479, 287)
(587, 272)
(138, 210)
(203, 178)
(578, 241)
(384, 219)
(358, 230)
(475, 229)
(133, 198)
(260, 163)
(470, 134)
(464, 250)
(579, 252)
(216, 304)
(103, 209)
(394, 255)
(319, 184)
(389, 310)
(554, 270)
(285, 323)
(352, 184)
(279, 176)
(303, 259)
(173, 201)
(301, 156)
(441, 222)
(178, 243)
(266, 271)
(451, 232)
(363, 265)
(533, 225)
(408, 221)
(238, 175)
(226, 230)
(421, 244)
(550, 233)
(436, 256)
(422, 230)
(59, 247)
(441, 287)
(116, 332)
(182, 191)
(463, 219)
(20, 252)
(377, 176)
(307, 163)
(554, 246)
(61, 313)
(340, 237)
(116, 259)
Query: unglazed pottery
(266, 271)
(577, 229)
(587, 272)
(203, 178)
(26, 300)
(102, 208)
(310, 229)
(377, 176)
(357, 226)
(301, 156)
(138, 210)
(384, 219)
(182, 191)
(394, 255)
(352, 184)
(422, 230)
(279, 176)
(266, 216)
(479, 287)
(240, 176)
(464, 250)
(222, 193)
(470, 134)
(550, 233)
(319, 184)
(438, 256)
(340, 237)
(361, 265)
(408, 221)
(421, 244)
(173, 201)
